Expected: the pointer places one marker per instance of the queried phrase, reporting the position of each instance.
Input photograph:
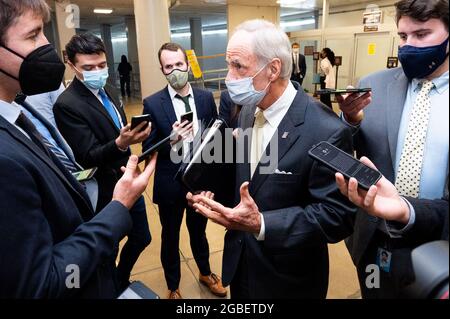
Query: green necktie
(185, 99)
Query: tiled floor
(148, 269)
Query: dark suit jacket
(377, 139)
(91, 133)
(228, 110)
(302, 66)
(47, 224)
(159, 106)
(303, 211)
(431, 219)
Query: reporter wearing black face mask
(402, 126)
(52, 245)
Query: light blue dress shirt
(435, 161)
(43, 103)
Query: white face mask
(243, 92)
(296, 51)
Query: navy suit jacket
(303, 211)
(162, 116)
(47, 225)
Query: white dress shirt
(274, 114)
(330, 74)
(180, 109)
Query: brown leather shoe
(214, 283)
(174, 294)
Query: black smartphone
(136, 120)
(189, 116)
(155, 148)
(345, 164)
(344, 91)
(85, 175)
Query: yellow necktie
(410, 166)
(257, 140)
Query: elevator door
(371, 52)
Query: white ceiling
(182, 10)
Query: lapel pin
(285, 135)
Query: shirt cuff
(262, 231)
(395, 229)
(355, 127)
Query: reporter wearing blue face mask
(402, 126)
(93, 122)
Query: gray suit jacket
(377, 139)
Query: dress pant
(239, 288)
(325, 98)
(171, 216)
(139, 237)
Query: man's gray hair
(269, 42)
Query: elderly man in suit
(94, 124)
(402, 126)
(287, 213)
(166, 108)
(52, 244)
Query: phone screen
(346, 164)
(187, 117)
(84, 175)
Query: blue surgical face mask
(95, 80)
(242, 91)
(418, 63)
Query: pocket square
(277, 171)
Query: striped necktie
(24, 123)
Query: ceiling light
(290, 3)
(103, 11)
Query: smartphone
(345, 164)
(189, 116)
(85, 175)
(155, 148)
(136, 120)
(343, 91)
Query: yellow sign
(193, 62)
(371, 50)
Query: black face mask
(41, 71)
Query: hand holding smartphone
(344, 91)
(345, 164)
(189, 116)
(136, 120)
